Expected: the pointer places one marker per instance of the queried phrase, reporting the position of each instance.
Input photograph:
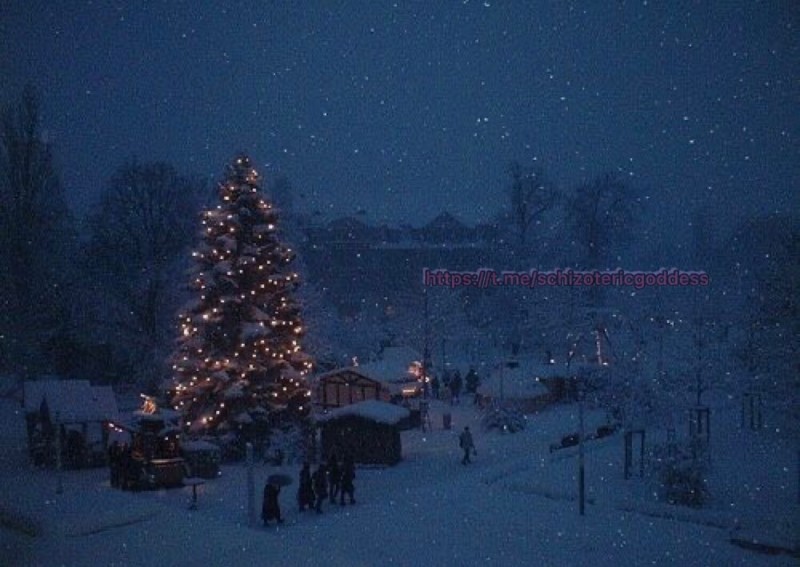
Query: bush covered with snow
(679, 470)
(504, 419)
(291, 444)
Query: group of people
(451, 385)
(331, 481)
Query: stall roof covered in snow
(71, 400)
(392, 366)
(374, 410)
(357, 370)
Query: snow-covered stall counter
(72, 415)
(368, 431)
(202, 458)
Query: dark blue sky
(408, 108)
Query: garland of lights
(239, 354)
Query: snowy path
(429, 510)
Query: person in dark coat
(348, 476)
(320, 481)
(305, 493)
(455, 388)
(472, 381)
(334, 477)
(467, 444)
(270, 508)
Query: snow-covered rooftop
(374, 410)
(71, 400)
(336, 371)
(392, 366)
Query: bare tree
(600, 216)
(773, 319)
(139, 235)
(34, 233)
(531, 196)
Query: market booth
(146, 451)
(67, 416)
(367, 431)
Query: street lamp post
(251, 486)
(581, 428)
(581, 462)
(59, 468)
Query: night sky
(407, 108)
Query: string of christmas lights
(239, 352)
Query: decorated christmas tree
(239, 357)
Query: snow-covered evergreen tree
(239, 355)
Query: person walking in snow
(348, 476)
(455, 388)
(270, 508)
(334, 477)
(320, 481)
(467, 444)
(305, 492)
(472, 381)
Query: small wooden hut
(345, 386)
(368, 431)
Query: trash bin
(447, 420)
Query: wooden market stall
(368, 431)
(345, 386)
(152, 458)
(70, 416)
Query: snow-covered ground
(516, 505)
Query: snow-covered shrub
(679, 471)
(504, 419)
(290, 444)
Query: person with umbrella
(271, 508)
